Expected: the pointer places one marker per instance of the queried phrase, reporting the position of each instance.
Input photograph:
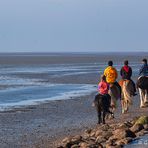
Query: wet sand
(46, 124)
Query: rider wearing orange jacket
(111, 75)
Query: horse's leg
(122, 105)
(99, 116)
(145, 97)
(104, 113)
(141, 97)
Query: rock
(100, 145)
(107, 134)
(88, 131)
(134, 120)
(105, 127)
(113, 146)
(146, 127)
(76, 139)
(124, 141)
(100, 139)
(75, 146)
(140, 133)
(86, 136)
(98, 133)
(125, 125)
(60, 146)
(92, 134)
(142, 120)
(66, 140)
(92, 138)
(83, 145)
(145, 132)
(123, 133)
(136, 128)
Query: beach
(46, 123)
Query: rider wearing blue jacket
(144, 68)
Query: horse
(142, 85)
(127, 94)
(102, 104)
(114, 92)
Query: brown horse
(127, 94)
(114, 92)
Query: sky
(73, 25)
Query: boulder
(142, 120)
(140, 133)
(125, 125)
(124, 141)
(98, 133)
(75, 146)
(146, 127)
(66, 140)
(136, 128)
(83, 145)
(88, 131)
(92, 134)
(76, 139)
(123, 133)
(100, 139)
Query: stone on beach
(142, 120)
(109, 136)
(123, 133)
(136, 128)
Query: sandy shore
(47, 124)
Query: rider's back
(111, 74)
(126, 72)
(144, 70)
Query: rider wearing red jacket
(126, 73)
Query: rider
(126, 73)
(103, 88)
(111, 75)
(144, 68)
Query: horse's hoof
(112, 115)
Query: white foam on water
(84, 90)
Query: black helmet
(145, 61)
(110, 63)
(126, 62)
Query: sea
(29, 84)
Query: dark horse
(102, 104)
(142, 85)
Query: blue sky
(73, 25)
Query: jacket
(103, 87)
(143, 70)
(111, 74)
(126, 72)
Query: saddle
(122, 81)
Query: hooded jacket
(126, 72)
(111, 74)
(143, 70)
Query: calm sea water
(30, 84)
